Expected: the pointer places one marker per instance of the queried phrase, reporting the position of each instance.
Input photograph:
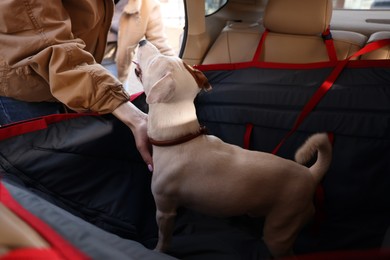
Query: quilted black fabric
(356, 110)
(91, 167)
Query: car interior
(232, 33)
(279, 34)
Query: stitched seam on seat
(228, 48)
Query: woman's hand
(137, 121)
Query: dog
(201, 172)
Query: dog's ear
(199, 77)
(162, 90)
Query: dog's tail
(320, 144)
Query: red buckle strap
(328, 39)
(247, 136)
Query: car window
(174, 18)
(361, 4)
(211, 6)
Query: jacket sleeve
(76, 80)
(40, 44)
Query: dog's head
(167, 78)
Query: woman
(138, 19)
(49, 60)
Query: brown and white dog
(201, 172)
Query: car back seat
(236, 43)
(294, 35)
(381, 53)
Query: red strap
(327, 36)
(28, 126)
(260, 47)
(326, 85)
(247, 135)
(39, 123)
(135, 96)
(319, 215)
(62, 247)
(328, 39)
(31, 253)
(331, 137)
(319, 201)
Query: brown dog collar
(202, 130)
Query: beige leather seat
(379, 54)
(236, 43)
(295, 29)
(15, 233)
(294, 36)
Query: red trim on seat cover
(60, 247)
(35, 124)
(31, 253)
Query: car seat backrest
(236, 43)
(381, 53)
(347, 43)
(295, 32)
(294, 35)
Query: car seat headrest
(300, 17)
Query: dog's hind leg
(281, 230)
(165, 217)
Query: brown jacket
(49, 52)
(139, 19)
